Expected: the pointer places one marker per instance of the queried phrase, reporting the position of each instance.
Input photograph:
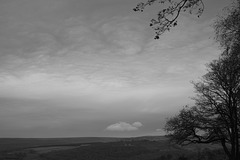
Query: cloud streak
(111, 55)
(100, 53)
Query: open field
(140, 148)
(11, 144)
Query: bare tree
(215, 117)
(216, 114)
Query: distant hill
(150, 138)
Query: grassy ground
(12, 144)
(144, 148)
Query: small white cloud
(123, 126)
(137, 124)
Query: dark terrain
(140, 148)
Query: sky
(80, 68)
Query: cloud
(125, 34)
(96, 61)
(111, 59)
(123, 126)
(137, 124)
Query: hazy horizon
(91, 68)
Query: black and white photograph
(119, 79)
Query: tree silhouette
(170, 10)
(227, 28)
(215, 117)
(216, 114)
(167, 16)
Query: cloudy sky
(92, 68)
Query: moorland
(104, 148)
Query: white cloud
(123, 126)
(137, 124)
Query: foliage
(168, 15)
